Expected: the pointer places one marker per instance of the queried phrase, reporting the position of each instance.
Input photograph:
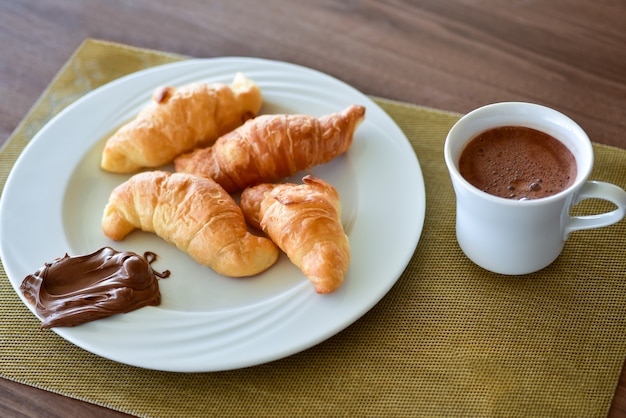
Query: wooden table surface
(454, 55)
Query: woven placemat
(449, 339)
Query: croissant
(270, 147)
(304, 221)
(193, 213)
(177, 120)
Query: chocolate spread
(73, 290)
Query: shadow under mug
(516, 237)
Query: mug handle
(598, 190)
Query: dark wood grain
(452, 55)
(17, 400)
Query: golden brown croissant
(304, 221)
(193, 213)
(177, 120)
(271, 147)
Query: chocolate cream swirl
(73, 290)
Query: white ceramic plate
(55, 195)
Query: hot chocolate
(516, 162)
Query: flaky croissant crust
(304, 221)
(271, 147)
(177, 120)
(193, 213)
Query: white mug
(515, 237)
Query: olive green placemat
(449, 339)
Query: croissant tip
(358, 110)
(324, 289)
(241, 82)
